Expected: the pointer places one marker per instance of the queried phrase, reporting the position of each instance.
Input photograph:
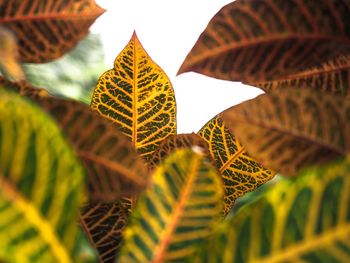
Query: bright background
(168, 29)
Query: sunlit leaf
(330, 77)
(138, 96)
(292, 128)
(306, 220)
(104, 224)
(114, 168)
(9, 64)
(176, 213)
(175, 142)
(262, 40)
(240, 172)
(47, 29)
(41, 186)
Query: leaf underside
(47, 29)
(176, 212)
(292, 128)
(138, 96)
(262, 40)
(240, 172)
(307, 220)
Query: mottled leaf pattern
(138, 96)
(114, 168)
(104, 224)
(255, 40)
(240, 172)
(330, 77)
(175, 142)
(41, 185)
(9, 64)
(307, 220)
(176, 213)
(46, 29)
(292, 128)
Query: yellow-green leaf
(104, 224)
(47, 29)
(289, 129)
(114, 168)
(329, 77)
(302, 220)
(263, 40)
(41, 186)
(240, 172)
(175, 142)
(9, 64)
(138, 96)
(176, 213)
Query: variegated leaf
(41, 186)
(114, 168)
(138, 96)
(259, 40)
(175, 142)
(46, 29)
(176, 213)
(304, 220)
(330, 77)
(240, 172)
(292, 128)
(104, 224)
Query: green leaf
(176, 212)
(289, 129)
(138, 96)
(114, 168)
(104, 224)
(240, 172)
(259, 40)
(306, 220)
(41, 185)
(47, 29)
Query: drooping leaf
(114, 168)
(138, 96)
(330, 77)
(306, 220)
(104, 224)
(259, 40)
(47, 29)
(175, 142)
(240, 172)
(9, 64)
(176, 213)
(292, 128)
(41, 186)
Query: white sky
(168, 30)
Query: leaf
(175, 142)
(240, 172)
(41, 185)
(176, 212)
(330, 77)
(138, 96)
(48, 29)
(263, 40)
(114, 168)
(104, 224)
(9, 64)
(306, 220)
(292, 128)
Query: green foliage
(187, 196)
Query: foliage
(152, 195)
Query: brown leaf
(290, 129)
(47, 29)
